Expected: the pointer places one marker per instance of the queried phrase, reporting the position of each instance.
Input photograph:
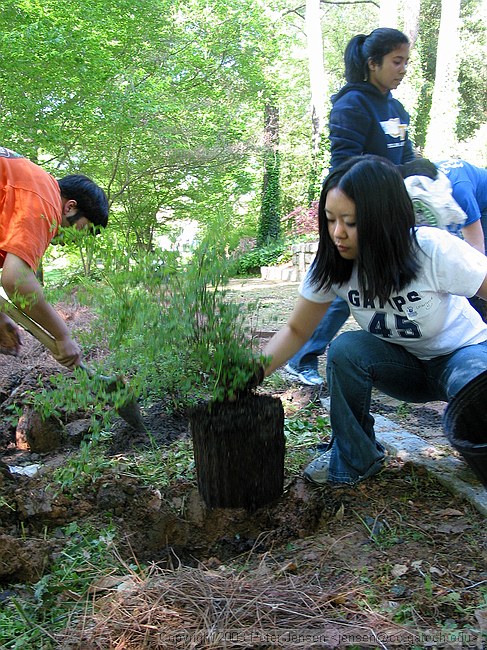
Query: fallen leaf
(458, 527)
(399, 570)
(436, 571)
(398, 590)
(481, 616)
(107, 583)
(339, 599)
(451, 512)
(289, 567)
(340, 512)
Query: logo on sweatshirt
(395, 128)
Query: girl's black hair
(375, 46)
(387, 245)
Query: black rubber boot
(465, 425)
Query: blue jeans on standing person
(307, 357)
(359, 361)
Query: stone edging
(294, 271)
(450, 471)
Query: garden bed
(394, 555)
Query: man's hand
(68, 353)
(9, 336)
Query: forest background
(213, 114)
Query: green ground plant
(83, 468)
(58, 599)
(303, 431)
(249, 263)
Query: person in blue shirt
(364, 119)
(469, 189)
(451, 195)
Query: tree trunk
(441, 137)
(239, 451)
(388, 13)
(316, 66)
(319, 90)
(412, 10)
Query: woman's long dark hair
(375, 46)
(387, 246)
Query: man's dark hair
(385, 219)
(418, 167)
(91, 200)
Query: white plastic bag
(433, 202)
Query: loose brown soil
(395, 553)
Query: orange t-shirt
(30, 208)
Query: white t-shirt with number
(431, 316)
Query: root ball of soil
(239, 451)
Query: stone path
(452, 472)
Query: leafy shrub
(172, 331)
(250, 262)
(212, 333)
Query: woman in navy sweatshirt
(365, 119)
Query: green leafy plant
(171, 327)
(303, 432)
(404, 409)
(249, 263)
(83, 468)
(219, 351)
(34, 615)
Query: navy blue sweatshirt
(365, 121)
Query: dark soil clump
(239, 451)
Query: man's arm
(23, 289)
(473, 234)
(10, 341)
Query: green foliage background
(163, 102)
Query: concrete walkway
(450, 471)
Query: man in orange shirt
(33, 206)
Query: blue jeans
(307, 356)
(358, 362)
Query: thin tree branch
(301, 8)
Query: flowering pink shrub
(302, 220)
